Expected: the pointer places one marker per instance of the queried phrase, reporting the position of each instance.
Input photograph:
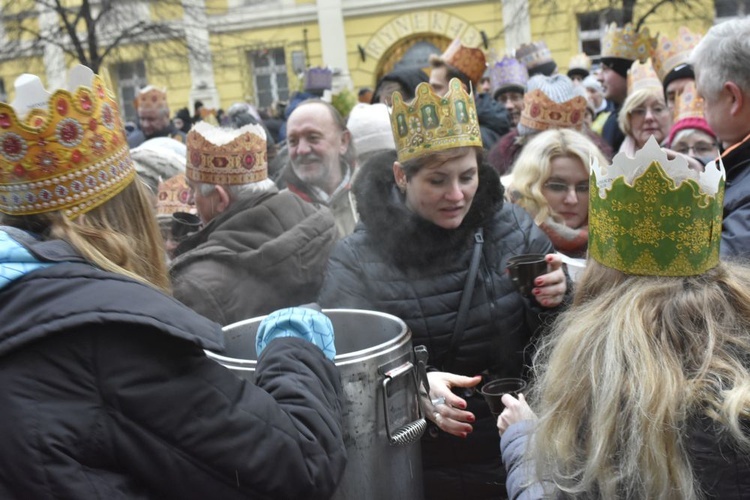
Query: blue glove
(297, 322)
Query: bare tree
(92, 30)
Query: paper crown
(542, 113)
(626, 43)
(533, 54)
(668, 54)
(318, 79)
(653, 216)
(508, 73)
(642, 75)
(226, 157)
(151, 98)
(431, 123)
(71, 156)
(469, 61)
(688, 113)
(580, 61)
(173, 196)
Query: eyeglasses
(641, 111)
(561, 187)
(699, 148)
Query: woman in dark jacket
(423, 218)
(105, 389)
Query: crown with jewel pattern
(688, 104)
(533, 54)
(150, 97)
(626, 43)
(173, 196)
(431, 123)
(668, 54)
(226, 157)
(508, 73)
(469, 61)
(542, 113)
(652, 216)
(642, 75)
(580, 61)
(70, 156)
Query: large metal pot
(382, 417)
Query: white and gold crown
(642, 75)
(432, 123)
(151, 98)
(653, 216)
(580, 61)
(626, 43)
(226, 157)
(173, 196)
(670, 53)
(69, 155)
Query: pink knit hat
(690, 123)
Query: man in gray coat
(259, 249)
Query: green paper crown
(653, 216)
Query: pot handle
(411, 432)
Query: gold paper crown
(653, 216)
(431, 123)
(469, 61)
(71, 156)
(668, 54)
(226, 157)
(542, 113)
(580, 61)
(688, 104)
(641, 76)
(626, 43)
(173, 196)
(151, 98)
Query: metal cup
(183, 224)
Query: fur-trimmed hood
(405, 237)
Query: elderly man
(259, 250)
(153, 118)
(722, 78)
(321, 160)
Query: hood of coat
(402, 235)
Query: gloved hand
(297, 322)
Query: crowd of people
(125, 250)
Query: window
(268, 67)
(591, 26)
(131, 77)
(731, 8)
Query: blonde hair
(533, 168)
(625, 371)
(635, 99)
(121, 235)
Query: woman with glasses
(644, 114)
(690, 135)
(551, 181)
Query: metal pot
(382, 418)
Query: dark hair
(411, 167)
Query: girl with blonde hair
(105, 386)
(550, 180)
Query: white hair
(722, 55)
(236, 190)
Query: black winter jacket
(106, 393)
(398, 263)
(735, 225)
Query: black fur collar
(406, 238)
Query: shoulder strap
(466, 295)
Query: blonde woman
(550, 180)
(644, 114)
(104, 384)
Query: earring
(402, 188)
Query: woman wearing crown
(643, 385)
(105, 388)
(427, 212)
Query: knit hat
(537, 58)
(689, 113)
(226, 157)
(508, 74)
(591, 82)
(551, 102)
(370, 126)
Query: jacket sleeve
(189, 428)
(199, 286)
(519, 482)
(345, 285)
